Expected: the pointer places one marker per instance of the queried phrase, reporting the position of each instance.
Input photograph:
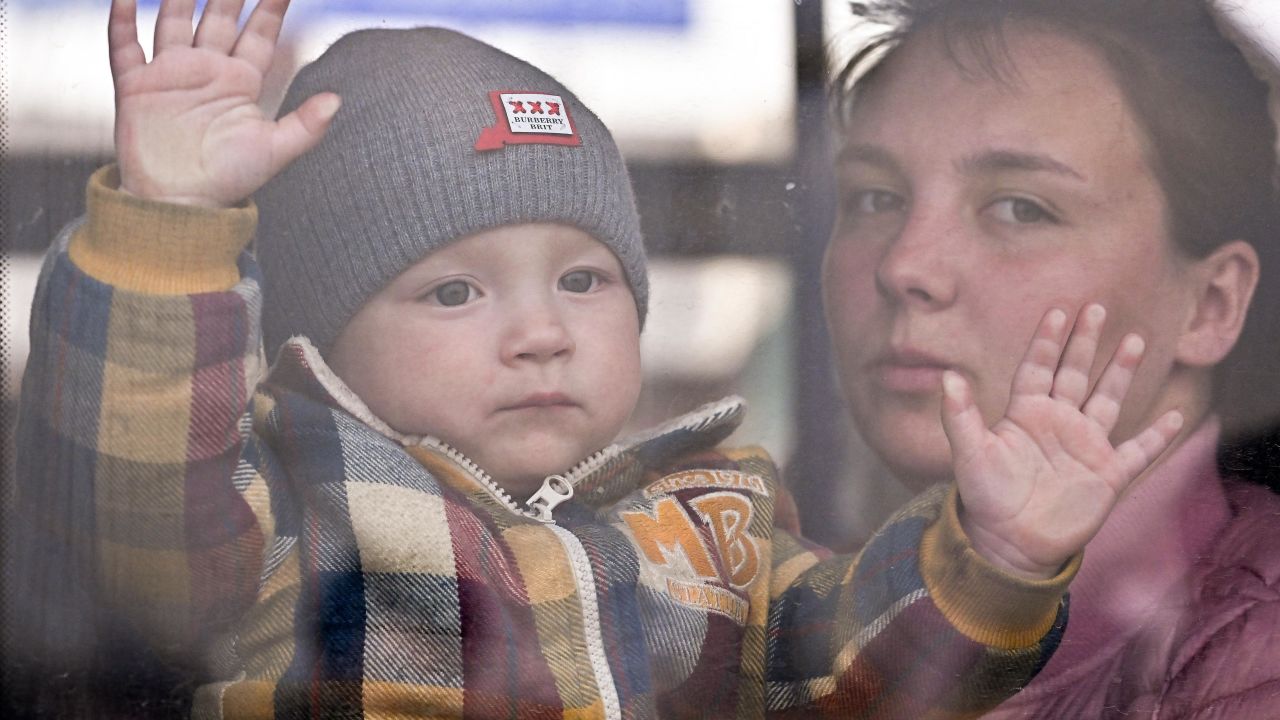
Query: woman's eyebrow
(873, 155)
(993, 161)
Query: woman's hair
(1211, 137)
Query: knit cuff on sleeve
(989, 605)
(159, 248)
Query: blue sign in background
(638, 12)
(555, 12)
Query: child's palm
(188, 126)
(1039, 484)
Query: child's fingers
(1071, 381)
(1034, 375)
(257, 42)
(217, 29)
(173, 25)
(1103, 406)
(1137, 453)
(961, 420)
(122, 38)
(300, 130)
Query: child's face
(520, 346)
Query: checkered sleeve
(915, 625)
(133, 426)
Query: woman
(998, 157)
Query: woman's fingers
(218, 24)
(173, 25)
(1034, 375)
(257, 42)
(122, 38)
(1071, 381)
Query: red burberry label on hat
(527, 117)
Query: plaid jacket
(309, 561)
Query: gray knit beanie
(439, 136)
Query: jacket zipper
(591, 626)
(555, 490)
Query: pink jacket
(1176, 610)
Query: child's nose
(538, 334)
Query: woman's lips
(910, 378)
(909, 371)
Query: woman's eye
(453, 293)
(1022, 211)
(578, 281)
(870, 202)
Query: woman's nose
(917, 264)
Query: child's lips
(542, 400)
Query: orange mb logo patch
(670, 530)
(728, 515)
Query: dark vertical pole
(816, 464)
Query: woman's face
(969, 206)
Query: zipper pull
(555, 490)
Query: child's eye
(453, 293)
(579, 281)
(1021, 211)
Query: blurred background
(717, 105)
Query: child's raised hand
(1038, 484)
(188, 126)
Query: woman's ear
(1224, 285)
